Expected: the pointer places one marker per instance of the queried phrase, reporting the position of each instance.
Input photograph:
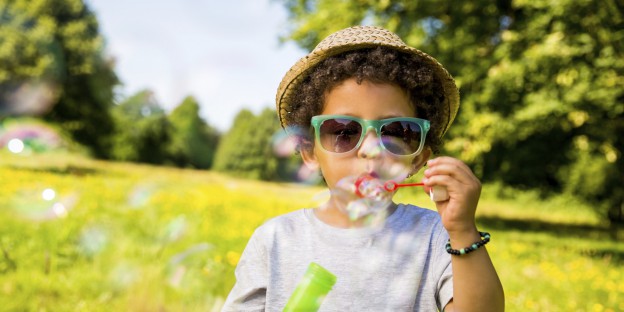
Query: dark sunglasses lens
(401, 137)
(339, 135)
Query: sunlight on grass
(126, 237)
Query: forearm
(476, 286)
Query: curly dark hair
(377, 65)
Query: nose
(370, 147)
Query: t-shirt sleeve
(444, 269)
(249, 292)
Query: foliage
(542, 84)
(142, 130)
(193, 141)
(247, 149)
(56, 43)
(127, 237)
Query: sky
(226, 54)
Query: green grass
(140, 238)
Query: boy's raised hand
(464, 189)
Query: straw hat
(354, 38)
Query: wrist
(483, 239)
(464, 233)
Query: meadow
(83, 235)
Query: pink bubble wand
(436, 193)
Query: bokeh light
(48, 194)
(15, 146)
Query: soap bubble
(92, 241)
(23, 136)
(367, 194)
(27, 98)
(174, 229)
(286, 145)
(42, 204)
(124, 275)
(141, 195)
(190, 260)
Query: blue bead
(462, 251)
(474, 246)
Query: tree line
(542, 89)
(541, 84)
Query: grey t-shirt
(401, 266)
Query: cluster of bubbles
(21, 133)
(366, 195)
(358, 196)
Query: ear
(420, 160)
(308, 157)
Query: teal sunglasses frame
(366, 124)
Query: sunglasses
(403, 136)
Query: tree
(142, 131)
(56, 43)
(193, 141)
(246, 149)
(542, 84)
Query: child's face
(366, 101)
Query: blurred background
(140, 148)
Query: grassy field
(83, 235)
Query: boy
(371, 103)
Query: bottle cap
(321, 275)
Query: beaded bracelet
(485, 238)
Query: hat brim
(355, 38)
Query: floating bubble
(29, 98)
(190, 260)
(92, 241)
(284, 144)
(308, 176)
(59, 210)
(175, 229)
(41, 205)
(22, 136)
(141, 195)
(124, 275)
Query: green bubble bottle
(311, 290)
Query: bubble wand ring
(437, 193)
(391, 186)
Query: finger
(449, 162)
(451, 166)
(452, 185)
(456, 172)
